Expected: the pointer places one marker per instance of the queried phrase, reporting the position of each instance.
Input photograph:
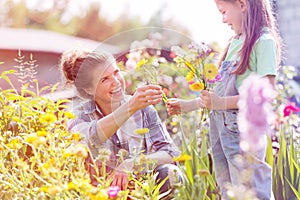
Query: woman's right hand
(145, 96)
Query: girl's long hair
(258, 15)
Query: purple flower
(113, 191)
(217, 78)
(255, 112)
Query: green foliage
(285, 162)
(199, 178)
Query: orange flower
(197, 86)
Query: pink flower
(255, 112)
(289, 108)
(113, 191)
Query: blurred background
(46, 28)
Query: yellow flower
(41, 133)
(48, 118)
(182, 158)
(189, 76)
(14, 144)
(69, 115)
(190, 66)
(141, 63)
(101, 195)
(35, 140)
(76, 136)
(197, 86)
(141, 131)
(210, 71)
(174, 123)
(1, 148)
(71, 186)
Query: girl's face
(108, 85)
(232, 12)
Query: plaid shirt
(157, 139)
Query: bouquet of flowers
(197, 59)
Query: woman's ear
(89, 91)
(242, 4)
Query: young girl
(254, 49)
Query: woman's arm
(143, 97)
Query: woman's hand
(121, 174)
(145, 96)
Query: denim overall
(225, 142)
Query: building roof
(47, 41)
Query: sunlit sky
(201, 17)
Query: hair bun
(70, 63)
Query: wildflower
(290, 108)
(141, 63)
(35, 140)
(172, 55)
(41, 133)
(76, 137)
(113, 191)
(189, 65)
(48, 118)
(1, 148)
(174, 123)
(255, 112)
(182, 158)
(210, 71)
(71, 186)
(141, 131)
(189, 77)
(197, 86)
(69, 115)
(100, 195)
(14, 143)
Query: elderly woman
(109, 119)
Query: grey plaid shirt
(157, 139)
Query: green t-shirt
(263, 58)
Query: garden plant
(40, 159)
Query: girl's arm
(178, 106)
(212, 101)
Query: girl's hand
(145, 96)
(178, 106)
(211, 101)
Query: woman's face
(232, 12)
(109, 84)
